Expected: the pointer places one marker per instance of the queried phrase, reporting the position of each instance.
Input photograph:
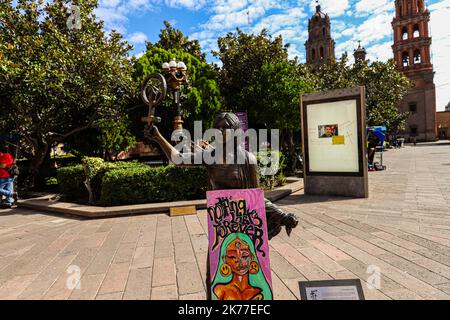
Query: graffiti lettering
(233, 216)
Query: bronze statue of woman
(225, 176)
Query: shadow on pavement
(30, 212)
(305, 199)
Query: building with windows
(320, 45)
(412, 45)
(443, 125)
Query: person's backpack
(13, 170)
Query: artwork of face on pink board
(238, 245)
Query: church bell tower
(320, 45)
(412, 55)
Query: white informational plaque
(333, 137)
(331, 290)
(334, 143)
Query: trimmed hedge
(123, 183)
(150, 185)
(71, 178)
(70, 182)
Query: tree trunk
(37, 160)
(290, 141)
(90, 192)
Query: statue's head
(227, 121)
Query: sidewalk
(402, 230)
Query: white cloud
(371, 7)
(333, 8)
(228, 6)
(375, 28)
(115, 13)
(137, 38)
(230, 14)
(276, 22)
(351, 20)
(109, 3)
(189, 4)
(381, 51)
(140, 54)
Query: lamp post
(155, 86)
(176, 76)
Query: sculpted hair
(231, 119)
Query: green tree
(258, 77)
(243, 57)
(276, 93)
(385, 87)
(55, 80)
(106, 140)
(173, 39)
(336, 75)
(279, 87)
(202, 97)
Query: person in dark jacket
(373, 142)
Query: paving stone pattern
(402, 231)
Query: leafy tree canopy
(173, 39)
(56, 81)
(243, 57)
(385, 88)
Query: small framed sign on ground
(331, 290)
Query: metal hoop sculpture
(153, 92)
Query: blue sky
(352, 20)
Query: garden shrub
(268, 178)
(70, 182)
(121, 183)
(149, 185)
(91, 166)
(71, 179)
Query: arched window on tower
(321, 53)
(313, 54)
(405, 59)
(416, 32)
(323, 32)
(417, 57)
(400, 11)
(404, 34)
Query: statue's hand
(151, 133)
(290, 222)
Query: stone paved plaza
(403, 229)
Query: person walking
(6, 178)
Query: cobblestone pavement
(403, 229)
